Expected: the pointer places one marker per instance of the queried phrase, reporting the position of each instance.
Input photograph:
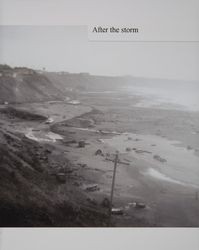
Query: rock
(160, 159)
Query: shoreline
(132, 185)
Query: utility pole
(112, 187)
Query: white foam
(156, 174)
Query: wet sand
(167, 161)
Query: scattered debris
(137, 139)
(105, 203)
(103, 132)
(108, 155)
(81, 144)
(140, 205)
(189, 147)
(74, 102)
(61, 177)
(123, 162)
(127, 160)
(49, 120)
(119, 161)
(69, 171)
(128, 149)
(48, 151)
(99, 152)
(158, 158)
(117, 211)
(83, 165)
(70, 142)
(77, 184)
(92, 201)
(92, 188)
(139, 151)
(129, 205)
(43, 158)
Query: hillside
(31, 195)
(19, 85)
(86, 82)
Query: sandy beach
(159, 151)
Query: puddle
(42, 136)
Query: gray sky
(159, 60)
(54, 47)
(59, 48)
(67, 48)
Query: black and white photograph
(97, 134)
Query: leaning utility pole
(112, 187)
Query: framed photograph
(99, 124)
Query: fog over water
(182, 96)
